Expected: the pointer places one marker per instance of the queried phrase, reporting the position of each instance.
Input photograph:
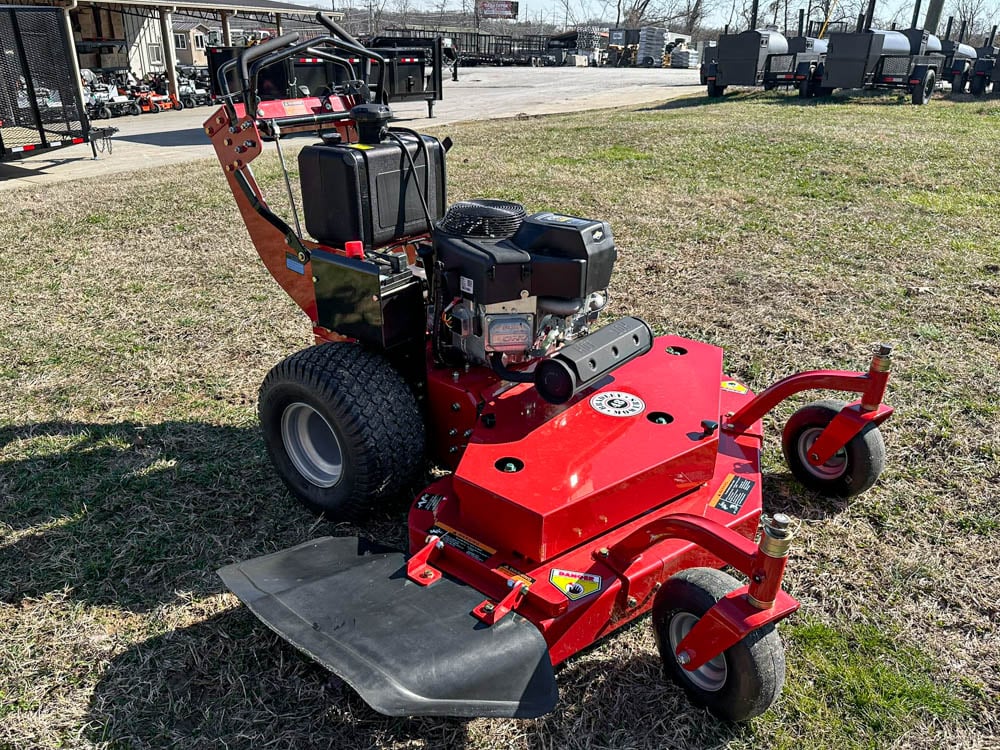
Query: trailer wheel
(769, 85)
(806, 90)
(923, 90)
(978, 86)
(342, 428)
(715, 90)
(738, 684)
(851, 471)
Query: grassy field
(138, 324)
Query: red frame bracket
(418, 567)
(727, 623)
(850, 421)
(490, 612)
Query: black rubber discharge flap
(408, 650)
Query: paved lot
(481, 93)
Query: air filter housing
(483, 217)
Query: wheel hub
(832, 469)
(312, 445)
(711, 676)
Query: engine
(512, 287)
(515, 292)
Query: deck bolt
(657, 587)
(488, 607)
(603, 552)
(455, 376)
(456, 406)
(632, 602)
(315, 279)
(427, 574)
(453, 449)
(814, 456)
(683, 658)
(467, 433)
(452, 432)
(728, 426)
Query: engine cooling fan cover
(483, 217)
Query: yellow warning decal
(573, 584)
(359, 146)
(734, 387)
(515, 574)
(732, 494)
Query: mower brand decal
(463, 543)
(617, 404)
(574, 585)
(734, 387)
(294, 264)
(294, 107)
(466, 284)
(429, 502)
(732, 494)
(515, 575)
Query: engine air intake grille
(483, 217)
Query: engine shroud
(549, 255)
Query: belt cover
(408, 650)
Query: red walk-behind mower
(596, 473)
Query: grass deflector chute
(597, 473)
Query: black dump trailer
(985, 72)
(40, 106)
(868, 58)
(413, 72)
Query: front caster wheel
(850, 471)
(741, 682)
(342, 428)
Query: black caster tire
(342, 428)
(740, 683)
(134, 109)
(851, 471)
(188, 103)
(104, 113)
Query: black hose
(513, 376)
(416, 176)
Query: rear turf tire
(342, 428)
(849, 472)
(740, 683)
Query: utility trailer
(804, 54)
(413, 73)
(741, 59)
(40, 100)
(985, 72)
(959, 57)
(910, 60)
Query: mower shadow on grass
(228, 681)
(136, 515)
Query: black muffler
(574, 367)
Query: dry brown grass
(139, 324)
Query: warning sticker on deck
(732, 494)
(573, 584)
(734, 386)
(429, 502)
(515, 575)
(462, 543)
